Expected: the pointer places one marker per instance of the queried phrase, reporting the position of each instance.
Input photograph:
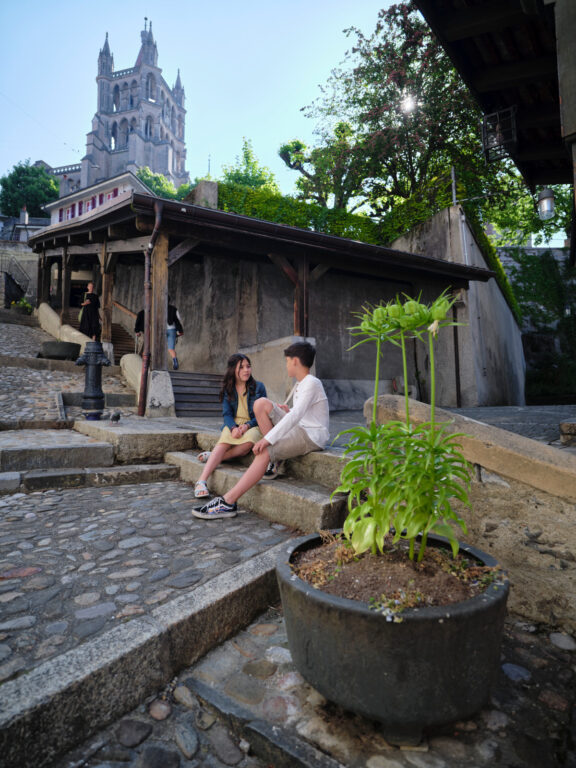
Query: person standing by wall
(90, 314)
(173, 331)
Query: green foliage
(159, 185)
(263, 204)
(401, 478)
(23, 304)
(333, 175)
(546, 288)
(248, 171)
(27, 185)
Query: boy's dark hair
(303, 350)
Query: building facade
(140, 121)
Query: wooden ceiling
(505, 50)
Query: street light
(546, 204)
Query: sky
(247, 69)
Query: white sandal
(201, 490)
(203, 457)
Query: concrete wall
(228, 305)
(489, 345)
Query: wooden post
(107, 289)
(301, 298)
(59, 269)
(65, 285)
(159, 347)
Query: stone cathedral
(139, 122)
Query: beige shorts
(295, 443)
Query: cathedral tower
(139, 120)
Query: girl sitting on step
(240, 431)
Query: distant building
(139, 122)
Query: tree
(332, 175)
(248, 171)
(160, 186)
(410, 114)
(27, 185)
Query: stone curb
(269, 742)
(42, 479)
(303, 506)
(137, 441)
(495, 449)
(56, 706)
(46, 364)
(58, 457)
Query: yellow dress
(242, 417)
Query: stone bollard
(93, 396)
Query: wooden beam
(515, 74)
(159, 320)
(66, 274)
(282, 263)
(301, 298)
(132, 245)
(107, 291)
(144, 224)
(318, 271)
(182, 249)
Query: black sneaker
(273, 469)
(215, 509)
(175, 363)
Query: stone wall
(489, 344)
(26, 262)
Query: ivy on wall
(263, 204)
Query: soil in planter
(391, 581)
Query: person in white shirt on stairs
(286, 432)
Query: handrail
(123, 308)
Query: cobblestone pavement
(528, 722)
(76, 562)
(27, 394)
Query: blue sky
(247, 69)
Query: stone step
(320, 467)
(138, 439)
(41, 449)
(302, 505)
(42, 479)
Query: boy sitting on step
(287, 432)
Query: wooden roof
(505, 50)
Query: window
(94, 202)
(115, 192)
(61, 214)
(80, 207)
(73, 210)
(101, 198)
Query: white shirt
(310, 412)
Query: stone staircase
(122, 340)
(196, 394)
(140, 450)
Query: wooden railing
(124, 309)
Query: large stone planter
(434, 667)
(60, 350)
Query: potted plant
(22, 306)
(399, 657)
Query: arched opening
(133, 125)
(116, 99)
(150, 87)
(148, 127)
(125, 96)
(180, 127)
(123, 134)
(114, 136)
(133, 94)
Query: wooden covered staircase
(196, 394)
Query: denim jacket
(230, 405)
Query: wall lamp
(545, 204)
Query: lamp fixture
(546, 204)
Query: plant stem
(376, 381)
(432, 382)
(405, 372)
